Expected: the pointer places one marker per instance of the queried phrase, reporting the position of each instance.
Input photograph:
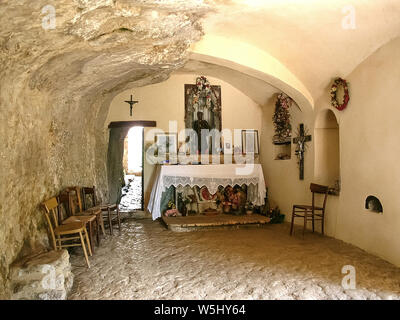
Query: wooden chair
(68, 232)
(68, 199)
(90, 207)
(109, 208)
(79, 207)
(313, 212)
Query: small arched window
(327, 149)
(373, 204)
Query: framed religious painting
(202, 112)
(167, 143)
(250, 144)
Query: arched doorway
(327, 148)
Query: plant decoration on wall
(281, 119)
(339, 82)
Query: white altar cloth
(211, 176)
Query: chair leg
(59, 246)
(88, 242)
(323, 223)
(305, 222)
(57, 242)
(119, 220)
(313, 221)
(291, 226)
(91, 230)
(84, 249)
(102, 224)
(110, 221)
(98, 230)
(53, 239)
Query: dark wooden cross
(131, 103)
(301, 148)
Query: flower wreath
(203, 85)
(335, 103)
(285, 101)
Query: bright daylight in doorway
(132, 193)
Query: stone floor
(131, 194)
(149, 262)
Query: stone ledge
(42, 276)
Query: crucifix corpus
(131, 103)
(301, 148)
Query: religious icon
(131, 103)
(202, 112)
(250, 141)
(301, 140)
(198, 126)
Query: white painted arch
(254, 62)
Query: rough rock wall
(55, 89)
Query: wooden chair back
(320, 189)
(91, 192)
(74, 205)
(65, 205)
(52, 208)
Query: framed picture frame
(227, 145)
(167, 143)
(250, 143)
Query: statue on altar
(198, 126)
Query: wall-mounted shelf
(282, 150)
(279, 143)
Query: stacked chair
(110, 211)
(75, 219)
(68, 232)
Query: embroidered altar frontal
(210, 176)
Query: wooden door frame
(134, 123)
(131, 124)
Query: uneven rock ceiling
(98, 41)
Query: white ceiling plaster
(307, 36)
(259, 91)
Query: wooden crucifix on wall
(131, 103)
(301, 140)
